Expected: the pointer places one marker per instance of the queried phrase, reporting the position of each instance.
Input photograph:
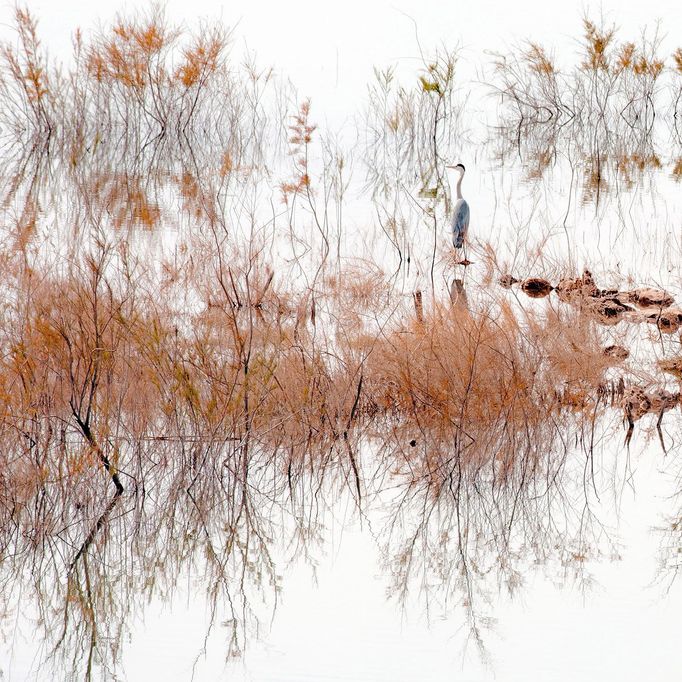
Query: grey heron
(460, 215)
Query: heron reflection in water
(458, 294)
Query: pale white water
(622, 626)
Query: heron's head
(459, 167)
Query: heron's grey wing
(460, 223)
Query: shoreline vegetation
(176, 393)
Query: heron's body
(460, 214)
(460, 223)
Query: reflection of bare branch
(95, 529)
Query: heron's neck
(459, 186)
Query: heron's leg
(660, 432)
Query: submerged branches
(613, 83)
(411, 133)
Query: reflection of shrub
(122, 77)
(603, 107)
(610, 79)
(475, 385)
